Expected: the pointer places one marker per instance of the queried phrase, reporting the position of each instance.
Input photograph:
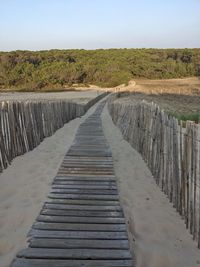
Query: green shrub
(111, 67)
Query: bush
(110, 67)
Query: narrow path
(82, 222)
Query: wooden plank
(91, 154)
(71, 263)
(101, 177)
(85, 168)
(90, 148)
(86, 178)
(85, 158)
(90, 183)
(85, 191)
(90, 143)
(97, 179)
(91, 254)
(20, 262)
(84, 196)
(75, 243)
(79, 227)
(82, 142)
(83, 133)
(71, 219)
(79, 167)
(88, 157)
(98, 187)
(100, 143)
(78, 164)
(87, 153)
(102, 163)
(85, 171)
(62, 172)
(81, 207)
(83, 202)
(90, 160)
(86, 137)
(90, 163)
(87, 145)
(82, 213)
(77, 234)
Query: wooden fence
(24, 124)
(171, 152)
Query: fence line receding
(171, 152)
(24, 124)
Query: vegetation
(62, 68)
(188, 117)
(182, 106)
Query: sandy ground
(82, 96)
(24, 186)
(157, 234)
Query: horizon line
(95, 49)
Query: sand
(80, 96)
(157, 233)
(24, 186)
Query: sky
(93, 24)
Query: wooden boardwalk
(82, 223)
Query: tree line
(28, 70)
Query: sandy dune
(157, 233)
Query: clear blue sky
(90, 24)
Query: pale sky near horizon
(93, 24)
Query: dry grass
(179, 97)
(187, 86)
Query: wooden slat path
(82, 223)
